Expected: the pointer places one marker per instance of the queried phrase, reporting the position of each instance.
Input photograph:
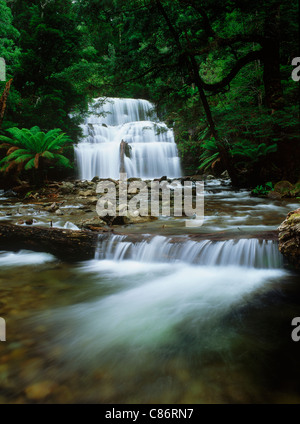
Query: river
(156, 321)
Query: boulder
(284, 188)
(289, 238)
(67, 188)
(225, 174)
(52, 208)
(93, 223)
(274, 195)
(210, 177)
(87, 193)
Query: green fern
(28, 149)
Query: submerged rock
(289, 238)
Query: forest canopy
(219, 73)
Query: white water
(157, 286)
(153, 149)
(244, 253)
(23, 257)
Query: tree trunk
(271, 55)
(224, 154)
(3, 100)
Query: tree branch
(218, 86)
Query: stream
(156, 321)
(165, 319)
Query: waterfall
(244, 252)
(153, 152)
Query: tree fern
(32, 148)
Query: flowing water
(166, 319)
(153, 151)
(162, 320)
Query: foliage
(8, 37)
(261, 190)
(33, 149)
(223, 65)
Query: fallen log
(73, 245)
(65, 244)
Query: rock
(95, 179)
(130, 219)
(10, 193)
(52, 208)
(84, 185)
(131, 179)
(59, 212)
(92, 223)
(289, 238)
(295, 192)
(92, 201)
(210, 177)
(67, 188)
(87, 193)
(284, 188)
(274, 195)
(29, 222)
(225, 174)
(22, 189)
(197, 177)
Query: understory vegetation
(219, 73)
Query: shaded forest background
(218, 71)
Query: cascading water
(244, 253)
(153, 152)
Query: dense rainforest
(219, 73)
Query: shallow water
(156, 322)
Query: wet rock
(295, 192)
(10, 193)
(95, 179)
(284, 188)
(67, 188)
(59, 212)
(29, 222)
(84, 185)
(225, 174)
(93, 223)
(289, 238)
(87, 193)
(52, 208)
(130, 180)
(197, 177)
(130, 219)
(92, 200)
(210, 177)
(274, 195)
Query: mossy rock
(284, 188)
